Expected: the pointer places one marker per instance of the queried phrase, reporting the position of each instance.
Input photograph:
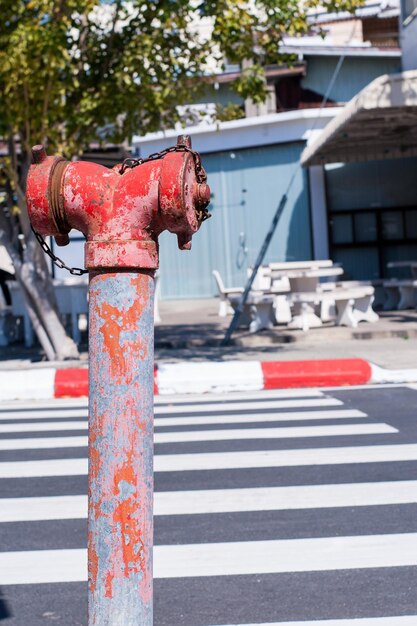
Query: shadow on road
(5, 611)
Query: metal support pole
(120, 501)
(258, 262)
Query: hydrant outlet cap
(184, 140)
(38, 153)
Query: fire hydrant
(121, 212)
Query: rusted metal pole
(120, 520)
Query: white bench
(400, 294)
(258, 311)
(353, 305)
(225, 307)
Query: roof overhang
(379, 123)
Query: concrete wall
(354, 75)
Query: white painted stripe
(195, 409)
(284, 498)
(43, 443)
(225, 559)
(226, 460)
(37, 384)
(382, 375)
(194, 421)
(264, 394)
(285, 458)
(52, 403)
(237, 434)
(39, 427)
(224, 500)
(245, 406)
(260, 417)
(36, 414)
(50, 467)
(43, 508)
(396, 620)
(293, 555)
(209, 377)
(81, 404)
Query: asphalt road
(286, 507)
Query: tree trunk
(37, 287)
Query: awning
(379, 123)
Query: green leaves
(74, 71)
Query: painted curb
(208, 377)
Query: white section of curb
(380, 375)
(209, 377)
(35, 384)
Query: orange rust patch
(116, 322)
(93, 565)
(133, 553)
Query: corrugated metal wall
(247, 186)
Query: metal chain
(74, 271)
(130, 163)
(199, 169)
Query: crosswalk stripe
(265, 394)
(35, 415)
(67, 404)
(260, 417)
(274, 433)
(195, 409)
(396, 620)
(43, 443)
(224, 500)
(284, 458)
(40, 427)
(226, 559)
(235, 434)
(196, 421)
(225, 460)
(245, 406)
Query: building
(354, 212)
(251, 161)
(368, 157)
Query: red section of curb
(71, 382)
(326, 373)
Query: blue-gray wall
(354, 75)
(247, 186)
(409, 43)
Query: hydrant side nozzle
(62, 240)
(184, 241)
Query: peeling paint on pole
(121, 449)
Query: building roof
(379, 123)
(275, 128)
(372, 8)
(315, 46)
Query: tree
(77, 71)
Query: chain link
(199, 169)
(74, 271)
(130, 163)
